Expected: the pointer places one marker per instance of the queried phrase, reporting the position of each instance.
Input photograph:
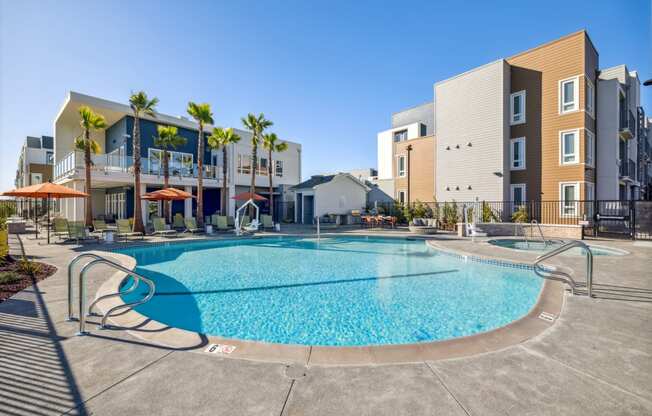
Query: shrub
(7, 278)
(488, 214)
(520, 215)
(29, 267)
(419, 210)
(449, 213)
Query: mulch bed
(11, 265)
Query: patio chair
(60, 227)
(77, 232)
(221, 223)
(177, 222)
(101, 226)
(125, 230)
(159, 228)
(267, 222)
(230, 221)
(191, 226)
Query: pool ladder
(534, 223)
(97, 259)
(565, 277)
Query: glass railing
(117, 163)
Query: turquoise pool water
(519, 244)
(339, 291)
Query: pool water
(343, 291)
(519, 244)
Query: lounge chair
(60, 226)
(191, 226)
(100, 226)
(125, 230)
(267, 222)
(77, 232)
(221, 223)
(159, 228)
(177, 222)
(230, 221)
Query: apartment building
(544, 125)
(35, 161)
(112, 171)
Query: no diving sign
(220, 349)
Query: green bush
(29, 267)
(7, 278)
(488, 214)
(449, 214)
(520, 215)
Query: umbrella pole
(48, 225)
(36, 216)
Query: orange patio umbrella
(45, 190)
(246, 196)
(168, 194)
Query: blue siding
(115, 135)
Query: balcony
(627, 124)
(627, 170)
(108, 164)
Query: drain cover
(547, 316)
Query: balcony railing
(627, 124)
(627, 169)
(108, 163)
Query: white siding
(339, 196)
(471, 108)
(386, 148)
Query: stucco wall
(339, 196)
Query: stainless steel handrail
(535, 222)
(70, 282)
(82, 289)
(568, 246)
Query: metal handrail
(533, 223)
(97, 259)
(566, 247)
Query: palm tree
(257, 125)
(89, 121)
(202, 115)
(168, 137)
(222, 138)
(271, 143)
(140, 104)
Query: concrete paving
(595, 359)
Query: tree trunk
(167, 209)
(200, 177)
(254, 165)
(271, 188)
(138, 211)
(88, 208)
(224, 184)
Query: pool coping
(550, 301)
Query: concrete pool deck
(595, 359)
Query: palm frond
(140, 103)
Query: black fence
(25, 208)
(624, 219)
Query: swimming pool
(520, 244)
(343, 291)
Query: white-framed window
(244, 164)
(590, 98)
(49, 158)
(262, 166)
(400, 197)
(517, 108)
(569, 193)
(517, 153)
(590, 191)
(589, 147)
(568, 95)
(518, 195)
(401, 169)
(178, 162)
(400, 136)
(278, 168)
(569, 147)
(36, 178)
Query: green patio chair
(230, 221)
(60, 228)
(125, 230)
(177, 222)
(221, 223)
(267, 221)
(77, 232)
(159, 228)
(191, 226)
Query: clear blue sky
(328, 73)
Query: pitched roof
(314, 181)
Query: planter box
(497, 229)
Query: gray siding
(424, 113)
(471, 108)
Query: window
(590, 191)
(178, 163)
(590, 98)
(244, 164)
(115, 205)
(518, 195)
(400, 168)
(400, 196)
(569, 146)
(518, 153)
(400, 136)
(568, 95)
(36, 178)
(589, 147)
(262, 166)
(49, 158)
(517, 108)
(278, 168)
(569, 194)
